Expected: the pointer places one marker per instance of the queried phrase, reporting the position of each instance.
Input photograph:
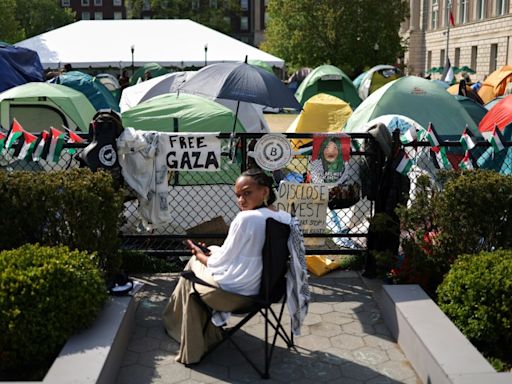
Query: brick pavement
(344, 340)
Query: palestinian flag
(467, 162)
(448, 73)
(467, 140)
(14, 134)
(40, 146)
(57, 139)
(496, 140)
(409, 136)
(3, 137)
(73, 137)
(404, 165)
(432, 136)
(441, 158)
(29, 144)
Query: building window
(117, 3)
(195, 4)
(447, 11)
(480, 9)
(441, 58)
(98, 15)
(429, 60)
(244, 23)
(463, 11)
(435, 16)
(501, 7)
(493, 60)
(86, 15)
(244, 5)
(456, 61)
(474, 55)
(118, 15)
(98, 3)
(213, 4)
(85, 3)
(65, 3)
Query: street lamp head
(206, 47)
(132, 48)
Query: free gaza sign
(191, 151)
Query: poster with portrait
(330, 154)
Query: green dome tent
(38, 106)
(419, 99)
(331, 80)
(194, 114)
(154, 69)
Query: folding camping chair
(275, 256)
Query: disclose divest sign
(309, 202)
(191, 151)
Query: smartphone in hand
(204, 249)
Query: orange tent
(495, 84)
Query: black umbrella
(241, 82)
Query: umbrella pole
(232, 148)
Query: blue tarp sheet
(18, 66)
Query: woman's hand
(199, 250)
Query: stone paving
(344, 340)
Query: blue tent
(99, 96)
(18, 66)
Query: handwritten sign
(309, 201)
(191, 151)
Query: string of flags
(48, 145)
(439, 152)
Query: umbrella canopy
(99, 96)
(331, 80)
(465, 68)
(435, 70)
(419, 99)
(241, 82)
(500, 115)
(262, 64)
(476, 110)
(194, 113)
(28, 102)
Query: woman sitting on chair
(235, 267)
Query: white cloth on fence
(144, 169)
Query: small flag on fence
(409, 136)
(497, 140)
(56, 144)
(3, 137)
(431, 135)
(72, 136)
(404, 165)
(29, 144)
(467, 139)
(14, 134)
(39, 151)
(467, 162)
(441, 157)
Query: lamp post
(375, 51)
(132, 48)
(205, 55)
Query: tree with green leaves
(350, 34)
(212, 13)
(10, 29)
(41, 16)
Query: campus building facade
(480, 37)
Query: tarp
(331, 80)
(494, 85)
(169, 42)
(37, 106)
(99, 96)
(419, 99)
(194, 114)
(375, 78)
(18, 66)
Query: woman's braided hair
(261, 178)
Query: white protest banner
(191, 151)
(309, 201)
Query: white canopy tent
(108, 43)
